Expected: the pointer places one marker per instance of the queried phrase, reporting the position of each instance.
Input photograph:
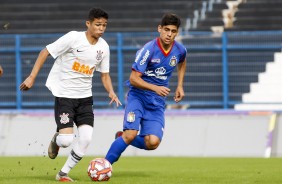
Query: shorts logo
(64, 118)
(131, 117)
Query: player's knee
(153, 145)
(85, 135)
(64, 140)
(85, 139)
(128, 136)
(152, 142)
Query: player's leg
(79, 149)
(147, 141)
(132, 117)
(151, 133)
(84, 119)
(119, 145)
(64, 119)
(63, 138)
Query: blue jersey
(144, 107)
(155, 65)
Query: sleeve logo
(145, 57)
(138, 55)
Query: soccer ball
(99, 169)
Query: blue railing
(227, 49)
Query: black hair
(170, 19)
(96, 13)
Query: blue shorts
(144, 113)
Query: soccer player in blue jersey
(148, 84)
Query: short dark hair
(96, 13)
(170, 19)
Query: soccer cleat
(65, 178)
(53, 148)
(118, 134)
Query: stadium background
(234, 68)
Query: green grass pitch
(148, 170)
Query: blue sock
(116, 149)
(139, 142)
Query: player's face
(97, 27)
(168, 33)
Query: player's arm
(29, 81)
(107, 82)
(138, 82)
(179, 93)
(1, 71)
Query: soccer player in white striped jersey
(78, 55)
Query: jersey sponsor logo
(130, 117)
(156, 60)
(81, 68)
(64, 118)
(173, 61)
(145, 57)
(149, 73)
(99, 56)
(159, 73)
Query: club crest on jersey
(64, 118)
(131, 117)
(173, 61)
(99, 55)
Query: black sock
(62, 173)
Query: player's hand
(179, 94)
(114, 98)
(27, 84)
(162, 90)
(1, 71)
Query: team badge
(173, 61)
(64, 118)
(131, 117)
(99, 55)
